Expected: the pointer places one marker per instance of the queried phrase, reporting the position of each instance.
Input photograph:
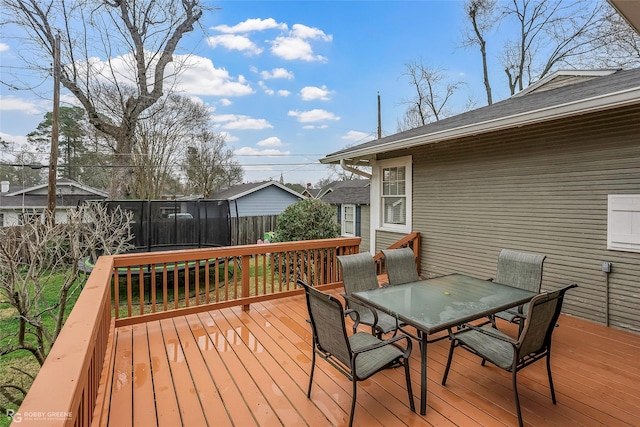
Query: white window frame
(377, 203)
(343, 220)
(623, 222)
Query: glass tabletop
(440, 303)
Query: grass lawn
(12, 364)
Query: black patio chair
(521, 270)
(401, 266)
(359, 274)
(358, 356)
(534, 343)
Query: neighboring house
(17, 203)
(351, 199)
(554, 170)
(258, 198)
(254, 208)
(311, 193)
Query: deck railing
(151, 286)
(411, 240)
(69, 388)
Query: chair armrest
(493, 333)
(390, 341)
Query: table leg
(423, 374)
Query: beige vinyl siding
(540, 188)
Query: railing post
(246, 276)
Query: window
(348, 220)
(623, 223)
(394, 199)
(392, 180)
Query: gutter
(345, 166)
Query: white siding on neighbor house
(270, 200)
(542, 189)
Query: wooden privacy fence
(246, 230)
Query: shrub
(308, 219)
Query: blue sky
(291, 81)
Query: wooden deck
(230, 367)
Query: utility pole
(55, 118)
(379, 119)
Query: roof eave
(583, 106)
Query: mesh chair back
(358, 272)
(327, 322)
(520, 269)
(401, 266)
(544, 310)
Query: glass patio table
(441, 303)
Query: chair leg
(313, 366)
(517, 400)
(407, 375)
(446, 369)
(553, 393)
(353, 401)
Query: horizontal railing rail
(150, 286)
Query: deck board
(236, 368)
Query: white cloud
(233, 42)
(228, 137)
(233, 121)
(266, 89)
(296, 45)
(225, 102)
(315, 127)
(310, 116)
(277, 73)
(354, 135)
(249, 151)
(18, 139)
(291, 48)
(303, 32)
(272, 141)
(284, 92)
(4, 47)
(253, 24)
(201, 77)
(310, 93)
(11, 103)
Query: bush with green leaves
(308, 219)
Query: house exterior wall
(267, 201)
(365, 214)
(540, 188)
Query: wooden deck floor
(229, 367)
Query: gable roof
(241, 190)
(355, 191)
(73, 187)
(69, 193)
(615, 90)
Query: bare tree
(209, 165)
(166, 128)
(40, 259)
(432, 93)
(482, 17)
(615, 43)
(136, 42)
(549, 33)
